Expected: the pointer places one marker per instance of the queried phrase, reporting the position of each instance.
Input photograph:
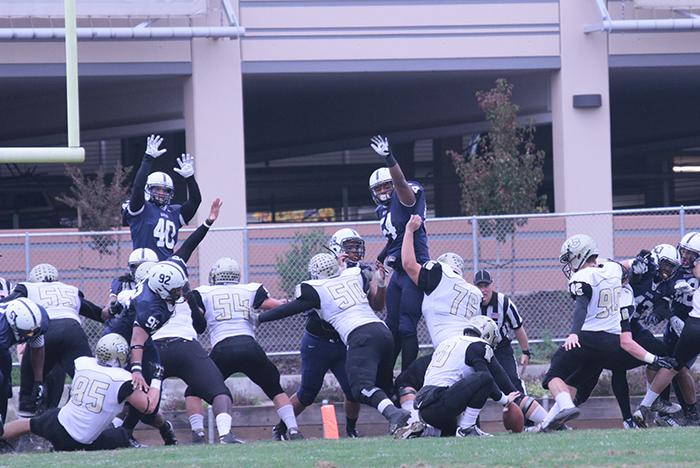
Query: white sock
(223, 423)
(538, 415)
(384, 404)
(564, 400)
(414, 416)
(649, 398)
(407, 405)
(468, 417)
(197, 422)
(286, 414)
(552, 412)
(117, 422)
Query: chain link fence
(521, 253)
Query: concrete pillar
(581, 137)
(213, 108)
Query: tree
(292, 266)
(98, 201)
(503, 173)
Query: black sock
(350, 424)
(409, 350)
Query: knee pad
(527, 405)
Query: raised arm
(137, 199)
(186, 170)
(408, 253)
(187, 248)
(380, 145)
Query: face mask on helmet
(142, 271)
(575, 252)
(483, 327)
(667, 261)
(381, 186)
(348, 241)
(5, 288)
(159, 188)
(24, 317)
(167, 279)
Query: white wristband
(504, 399)
(155, 383)
(649, 358)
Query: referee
(501, 309)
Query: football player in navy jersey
(153, 221)
(127, 281)
(397, 199)
(151, 306)
(21, 321)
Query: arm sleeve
(125, 391)
(137, 191)
(382, 254)
(189, 208)
(304, 302)
(90, 310)
(625, 314)
(196, 307)
(480, 356)
(260, 295)
(430, 276)
(580, 311)
(187, 247)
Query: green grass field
(653, 447)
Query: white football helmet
(5, 288)
(689, 249)
(142, 271)
(138, 256)
(163, 181)
(378, 178)
(575, 251)
(667, 260)
(43, 273)
(347, 241)
(167, 279)
(225, 271)
(453, 260)
(112, 350)
(323, 265)
(485, 328)
(24, 317)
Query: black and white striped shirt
(502, 310)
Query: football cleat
(398, 418)
(168, 433)
(279, 431)
(294, 434)
(692, 419)
(560, 419)
(133, 443)
(665, 407)
(666, 421)
(230, 439)
(352, 433)
(410, 431)
(471, 431)
(642, 416)
(535, 428)
(629, 424)
(198, 437)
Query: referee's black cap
(482, 276)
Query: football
(513, 418)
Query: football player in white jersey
(65, 339)
(322, 350)
(227, 307)
(345, 298)
(449, 303)
(596, 333)
(100, 387)
(461, 376)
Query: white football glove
(676, 325)
(683, 287)
(186, 163)
(639, 267)
(152, 144)
(380, 278)
(380, 145)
